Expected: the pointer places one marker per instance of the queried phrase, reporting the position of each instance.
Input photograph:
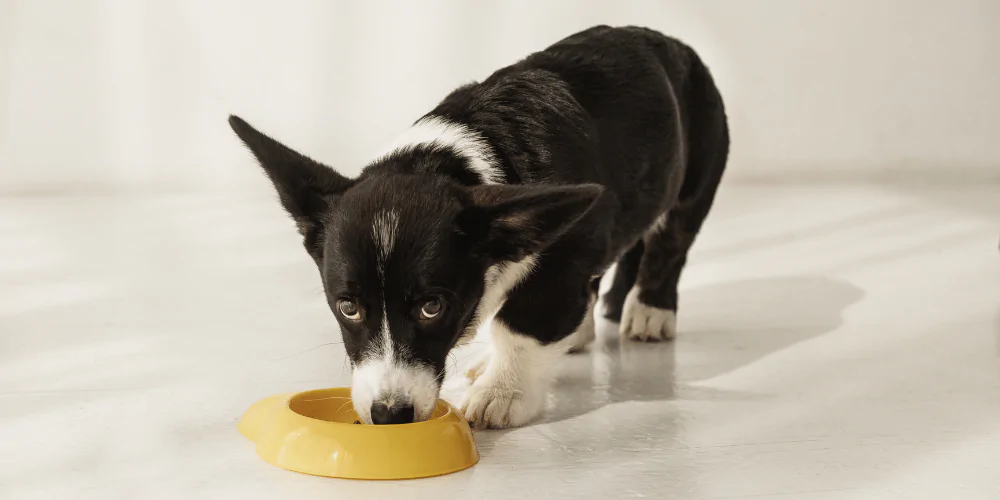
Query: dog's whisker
(454, 361)
(343, 406)
(310, 349)
(321, 399)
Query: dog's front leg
(511, 389)
(528, 338)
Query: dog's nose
(382, 414)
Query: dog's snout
(383, 414)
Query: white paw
(646, 323)
(491, 403)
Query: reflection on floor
(836, 342)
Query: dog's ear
(306, 187)
(508, 222)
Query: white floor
(836, 343)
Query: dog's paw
(493, 404)
(647, 323)
(478, 365)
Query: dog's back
(611, 106)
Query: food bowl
(314, 432)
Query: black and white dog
(509, 201)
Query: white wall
(130, 95)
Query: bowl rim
(449, 413)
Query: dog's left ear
(306, 187)
(509, 222)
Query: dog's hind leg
(586, 332)
(625, 275)
(650, 311)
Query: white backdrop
(129, 95)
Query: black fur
(597, 137)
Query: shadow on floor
(723, 327)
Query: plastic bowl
(314, 432)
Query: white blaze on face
(385, 224)
(381, 375)
(384, 227)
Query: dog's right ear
(306, 187)
(510, 222)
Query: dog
(507, 203)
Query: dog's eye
(431, 309)
(349, 309)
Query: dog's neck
(434, 145)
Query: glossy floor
(836, 343)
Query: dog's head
(404, 259)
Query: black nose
(382, 414)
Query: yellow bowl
(314, 433)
